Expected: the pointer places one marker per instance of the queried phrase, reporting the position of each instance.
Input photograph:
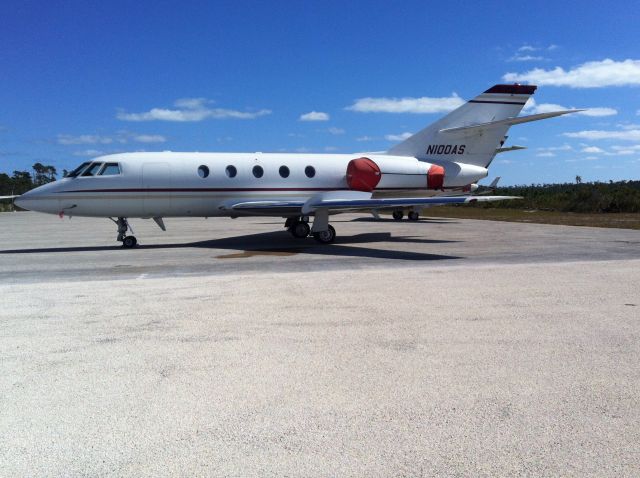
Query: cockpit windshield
(92, 170)
(78, 170)
(95, 168)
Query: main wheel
(129, 242)
(398, 215)
(300, 229)
(325, 237)
(413, 216)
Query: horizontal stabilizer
(510, 148)
(508, 121)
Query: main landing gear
(298, 227)
(322, 232)
(123, 226)
(412, 215)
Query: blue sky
(80, 79)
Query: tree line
(21, 181)
(595, 197)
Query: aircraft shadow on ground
(431, 220)
(281, 243)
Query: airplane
(431, 167)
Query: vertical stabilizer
(475, 146)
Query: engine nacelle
(366, 174)
(398, 172)
(363, 175)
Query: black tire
(413, 216)
(300, 229)
(129, 242)
(398, 215)
(325, 237)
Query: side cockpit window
(110, 169)
(78, 170)
(92, 170)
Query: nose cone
(40, 199)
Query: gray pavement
(38, 247)
(222, 348)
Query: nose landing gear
(123, 226)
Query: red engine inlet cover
(363, 175)
(435, 177)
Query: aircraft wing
(9, 197)
(343, 201)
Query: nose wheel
(129, 241)
(123, 226)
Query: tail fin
(477, 145)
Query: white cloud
(398, 137)
(533, 108)
(365, 138)
(149, 138)
(527, 58)
(592, 150)
(625, 135)
(564, 147)
(84, 139)
(190, 109)
(330, 148)
(406, 105)
(336, 131)
(528, 48)
(314, 116)
(638, 112)
(546, 154)
(598, 111)
(89, 152)
(628, 126)
(635, 147)
(626, 150)
(592, 74)
(121, 137)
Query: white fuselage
(170, 184)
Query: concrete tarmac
(227, 348)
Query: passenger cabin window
(110, 169)
(92, 170)
(231, 171)
(310, 171)
(284, 171)
(203, 171)
(78, 170)
(258, 172)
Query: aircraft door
(157, 182)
